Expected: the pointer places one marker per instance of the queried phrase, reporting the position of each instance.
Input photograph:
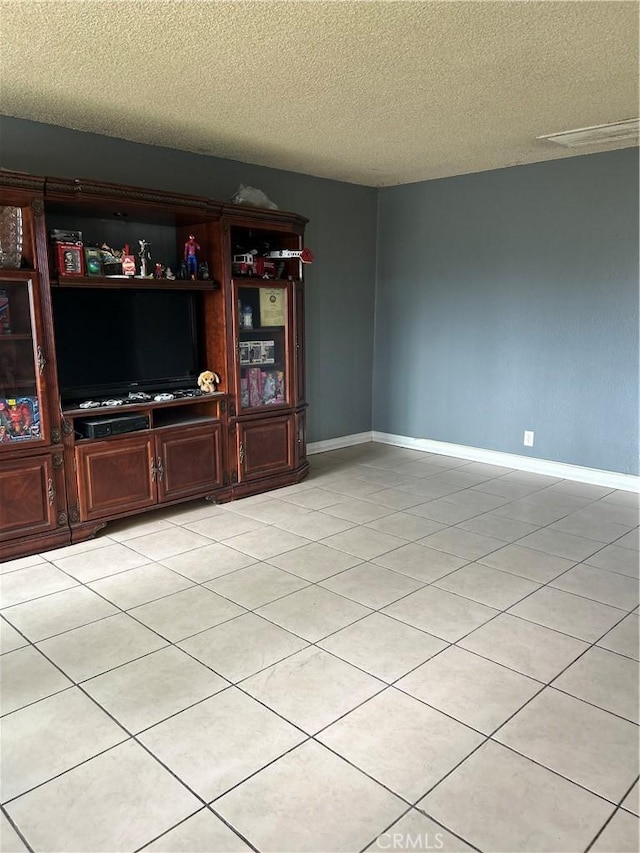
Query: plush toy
(208, 382)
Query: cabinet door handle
(153, 470)
(160, 469)
(241, 453)
(42, 361)
(51, 492)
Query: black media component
(112, 343)
(104, 427)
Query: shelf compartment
(181, 417)
(149, 405)
(18, 368)
(250, 244)
(124, 221)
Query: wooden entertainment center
(60, 484)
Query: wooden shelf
(132, 282)
(271, 365)
(23, 274)
(264, 407)
(22, 382)
(168, 420)
(241, 280)
(96, 411)
(12, 337)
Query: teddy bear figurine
(208, 382)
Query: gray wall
(508, 300)
(505, 300)
(342, 232)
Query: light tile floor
(404, 652)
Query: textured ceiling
(375, 93)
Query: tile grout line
(618, 808)
(130, 737)
(16, 829)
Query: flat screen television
(113, 342)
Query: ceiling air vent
(618, 131)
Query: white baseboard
(337, 443)
(562, 470)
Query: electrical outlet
(528, 438)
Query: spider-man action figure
(191, 248)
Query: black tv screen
(112, 342)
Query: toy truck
(250, 264)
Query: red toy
(251, 264)
(191, 249)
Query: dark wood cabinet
(115, 476)
(33, 503)
(134, 472)
(240, 313)
(28, 491)
(265, 447)
(189, 461)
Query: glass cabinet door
(262, 323)
(21, 364)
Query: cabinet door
(188, 461)
(22, 363)
(28, 502)
(265, 447)
(264, 364)
(115, 476)
(299, 342)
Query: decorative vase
(10, 237)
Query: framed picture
(272, 306)
(70, 259)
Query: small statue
(182, 272)
(158, 271)
(191, 249)
(145, 255)
(203, 271)
(169, 274)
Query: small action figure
(203, 271)
(145, 255)
(158, 271)
(19, 419)
(191, 249)
(169, 274)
